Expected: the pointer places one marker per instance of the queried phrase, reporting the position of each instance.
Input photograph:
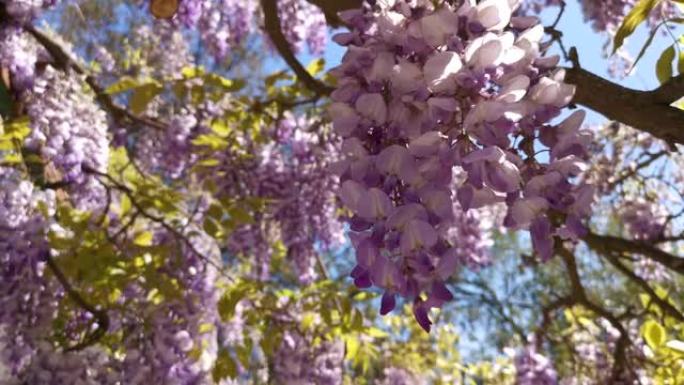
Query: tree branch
(648, 111)
(670, 91)
(607, 243)
(275, 33)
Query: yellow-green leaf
(192, 72)
(124, 84)
(635, 17)
(125, 205)
(316, 66)
(308, 320)
(353, 345)
(143, 239)
(654, 334)
(142, 96)
(664, 64)
(225, 367)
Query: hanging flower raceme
(19, 54)
(224, 24)
(424, 89)
(173, 343)
(28, 300)
(299, 360)
(291, 174)
(69, 131)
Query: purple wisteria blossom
(423, 90)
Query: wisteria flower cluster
(643, 220)
(225, 24)
(19, 54)
(160, 347)
(299, 361)
(422, 90)
(69, 130)
(291, 174)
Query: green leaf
(229, 301)
(192, 72)
(654, 334)
(244, 353)
(17, 128)
(225, 367)
(664, 64)
(211, 227)
(357, 320)
(125, 205)
(221, 128)
(316, 67)
(227, 84)
(271, 341)
(142, 96)
(353, 345)
(124, 84)
(308, 320)
(240, 215)
(635, 17)
(143, 239)
(212, 141)
(272, 79)
(127, 83)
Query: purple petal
(388, 303)
(440, 291)
(420, 313)
(375, 204)
(417, 234)
(361, 277)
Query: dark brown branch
(275, 33)
(607, 244)
(101, 316)
(671, 91)
(643, 110)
